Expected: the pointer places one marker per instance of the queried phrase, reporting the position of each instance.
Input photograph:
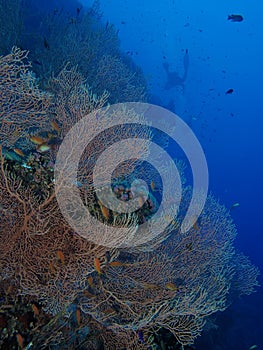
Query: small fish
(73, 21)
(252, 347)
(150, 340)
(46, 44)
(152, 186)
(35, 309)
(150, 286)
(140, 336)
(116, 263)
(189, 246)
(61, 257)
(97, 265)
(28, 346)
(109, 311)
(104, 210)
(16, 133)
(90, 281)
(234, 206)
(229, 91)
(10, 290)
(53, 141)
(43, 148)
(51, 267)
(107, 256)
(55, 126)
(37, 62)
(235, 18)
(195, 225)
(78, 316)
(19, 152)
(88, 294)
(20, 340)
(37, 140)
(171, 286)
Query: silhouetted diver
(173, 79)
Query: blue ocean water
(222, 55)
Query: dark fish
(229, 91)
(186, 63)
(235, 18)
(73, 21)
(46, 44)
(37, 62)
(107, 255)
(140, 336)
(54, 141)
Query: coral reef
(90, 294)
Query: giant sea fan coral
(176, 283)
(164, 287)
(23, 105)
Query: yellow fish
(37, 140)
(55, 126)
(171, 286)
(19, 152)
(43, 148)
(105, 211)
(90, 281)
(116, 263)
(150, 286)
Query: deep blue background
(223, 55)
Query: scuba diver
(173, 79)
